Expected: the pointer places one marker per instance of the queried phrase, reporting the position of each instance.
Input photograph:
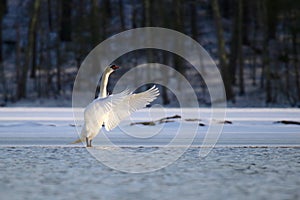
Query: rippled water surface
(226, 173)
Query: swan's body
(111, 110)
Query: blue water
(61, 172)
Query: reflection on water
(72, 173)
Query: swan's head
(111, 68)
(114, 67)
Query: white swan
(110, 110)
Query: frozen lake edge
(247, 128)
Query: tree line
(255, 43)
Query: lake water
(53, 172)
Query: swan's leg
(88, 142)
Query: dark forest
(254, 43)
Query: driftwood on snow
(160, 121)
(287, 122)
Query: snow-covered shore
(242, 127)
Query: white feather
(127, 106)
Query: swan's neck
(103, 86)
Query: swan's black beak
(114, 67)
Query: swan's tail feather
(76, 141)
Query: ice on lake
(254, 158)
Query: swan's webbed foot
(88, 142)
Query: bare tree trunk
(246, 21)
(80, 19)
(58, 28)
(18, 56)
(234, 47)
(266, 59)
(105, 16)
(66, 26)
(147, 7)
(286, 89)
(148, 22)
(45, 60)
(34, 57)
(22, 82)
(254, 54)
(260, 51)
(221, 50)
(122, 16)
(58, 68)
(194, 21)
(166, 79)
(163, 22)
(296, 67)
(50, 23)
(59, 16)
(95, 28)
(178, 64)
(240, 48)
(2, 72)
(41, 88)
(134, 15)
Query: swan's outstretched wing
(95, 112)
(128, 105)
